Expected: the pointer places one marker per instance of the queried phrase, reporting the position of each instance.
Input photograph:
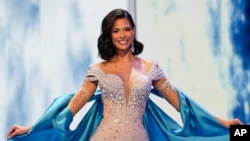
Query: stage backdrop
(46, 47)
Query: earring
(132, 48)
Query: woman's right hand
(18, 130)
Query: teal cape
(198, 124)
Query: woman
(125, 82)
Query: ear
(134, 30)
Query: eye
(128, 29)
(114, 31)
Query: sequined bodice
(122, 118)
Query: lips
(123, 42)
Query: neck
(125, 58)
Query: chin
(123, 47)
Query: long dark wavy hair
(106, 49)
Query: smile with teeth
(123, 42)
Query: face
(122, 34)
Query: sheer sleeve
(163, 85)
(86, 91)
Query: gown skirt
(198, 124)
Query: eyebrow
(123, 28)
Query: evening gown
(112, 117)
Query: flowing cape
(198, 124)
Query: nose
(122, 34)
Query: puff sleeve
(163, 85)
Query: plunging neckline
(122, 84)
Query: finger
(12, 134)
(236, 122)
(11, 130)
(239, 121)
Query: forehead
(122, 22)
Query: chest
(134, 79)
(134, 94)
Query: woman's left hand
(229, 122)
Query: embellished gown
(123, 119)
(115, 117)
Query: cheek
(113, 37)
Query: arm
(82, 96)
(171, 95)
(161, 83)
(168, 92)
(76, 103)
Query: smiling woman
(113, 33)
(122, 35)
(122, 109)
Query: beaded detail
(82, 96)
(165, 86)
(122, 120)
(156, 72)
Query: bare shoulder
(104, 66)
(147, 63)
(101, 64)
